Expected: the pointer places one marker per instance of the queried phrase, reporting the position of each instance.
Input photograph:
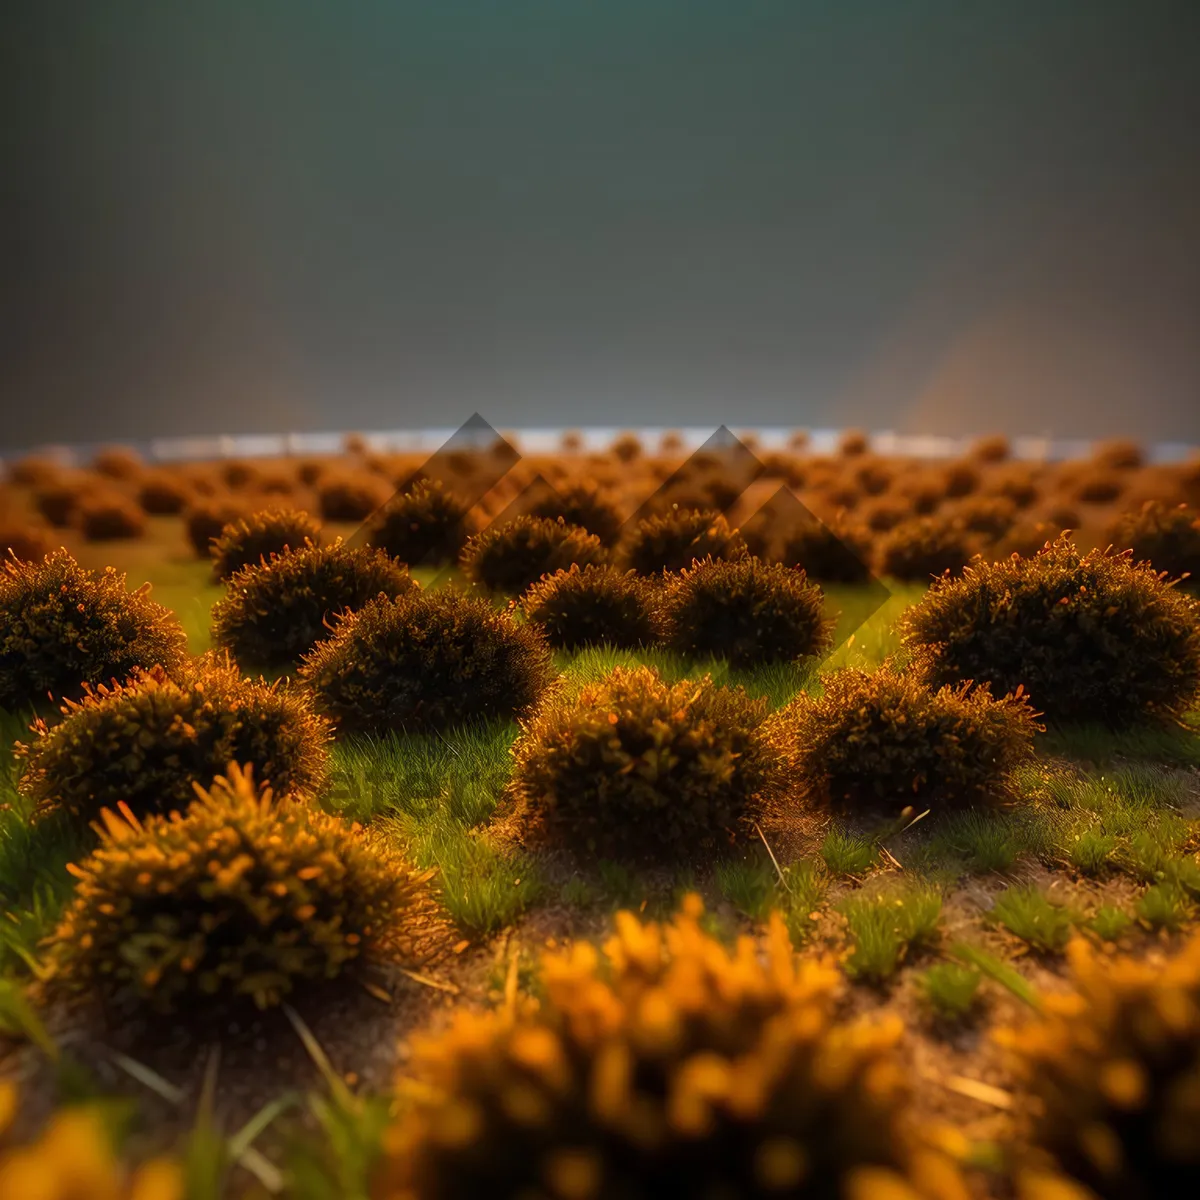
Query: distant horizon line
(542, 439)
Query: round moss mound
(885, 738)
(273, 613)
(1114, 1069)
(426, 661)
(593, 606)
(669, 1066)
(204, 521)
(585, 505)
(349, 495)
(915, 551)
(106, 516)
(636, 768)
(1090, 637)
(425, 526)
(676, 539)
(240, 901)
(829, 554)
(63, 627)
(259, 537)
(1165, 536)
(25, 540)
(509, 557)
(746, 611)
(146, 742)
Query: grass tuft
(1029, 914)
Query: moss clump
(426, 661)
(671, 1066)
(274, 613)
(73, 1158)
(25, 541)
(746, 611)
(108, 517)
(57, 501)
(239, 900)
(1114, 1068)
(425, 526)
(62, 627)
(511, 556)
(676, 539)
(259, 537)
(1166, 536)
(585, 505)
(637, 768)
(829, 554)
(593, 606)
(887, 738)
(344, 495)
(164, 493)
(203, 522)
(144, 743)
(1091, 637)
(928, 546)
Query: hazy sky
(255, 216)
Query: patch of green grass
(431, 793)
(621, 887)
(1091, 851)
(576, 893)
(951, 990)
(778, 682)
(1151, 851)
(875, 639)
(750, 885)
(1165, 906)
(885, 927)
(1110, 922)
(1028, 913)
(34, 881)
(482, 889)
(455, 775)
(982, 841)
(1005, 974)
(1179, 746)
(848, 853)
(805, 885)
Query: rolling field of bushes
(589, 825)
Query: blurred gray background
(901, 214)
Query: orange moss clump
(669, 1066)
